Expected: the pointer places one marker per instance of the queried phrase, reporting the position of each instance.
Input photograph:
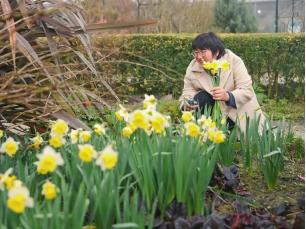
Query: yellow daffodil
(211, 134)
(216, 136)
(4, 177)
(107, 159)
(87, 152)
(219, 137)
(192, 129)
(57, 140)
(118, 116)
(139, 119)
(187, 116)
(149, 101)
(207, 65)
(48, 160)
(59, 127)
(18, 199)
(216, 65)
(10, 147)
(37, 141)
(223, 121)
(225, 66)
(158, 123)
(49, 190)
(9, 182)
(121, 114)
(201, 120)
(84, 136)
(1, 133)
(204, 136)
(206, 123)
(211, 66)
(127, 131)
(100, 129)
(74, 136)
(214, 72)
(149, 112)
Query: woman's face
(205, 55)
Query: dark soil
(239, 199)
(289, 189)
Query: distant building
(291, 15)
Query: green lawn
(283, 108)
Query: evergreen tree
(234, 16)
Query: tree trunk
(275, 86)
(270, 83)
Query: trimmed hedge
(156, 64)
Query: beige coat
(236, 80)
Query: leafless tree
(175, 16)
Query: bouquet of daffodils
(215, 68)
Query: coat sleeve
(188, 90)
(243, 91)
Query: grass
(284, 108)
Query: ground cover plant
(140, 170)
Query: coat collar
(196, 67)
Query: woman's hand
(219, 93)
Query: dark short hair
(209, 41)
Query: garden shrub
(156, 64)
(171, 108)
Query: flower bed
(128, 174)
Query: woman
(235, 92)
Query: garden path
(298, 127)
